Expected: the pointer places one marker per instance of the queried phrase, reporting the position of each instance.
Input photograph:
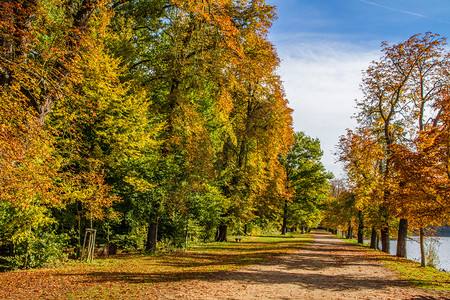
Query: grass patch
(140, 275)
(426, 278)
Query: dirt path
(328, 268)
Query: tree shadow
(314, 260)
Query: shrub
(41, 248)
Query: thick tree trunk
(401, 241)
(222, 233)
(284, 227)
(385, 239)
(152, 236)
(360, 227)
(423, 262)
(374, 239)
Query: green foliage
(41, 248)
(130, 241)
(308, 181)
(18, 224)
(124, 114)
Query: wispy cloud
(321, 82)
(403, 11)
(394, 9)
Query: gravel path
(328, 268)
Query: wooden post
(91, 245)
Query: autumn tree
(421, 161)
(42, 47)
(192, 58)
(100, 129)
(384, 85)
(426, 88)
(400, 90)
(339, 210)
(173, 107)
(178, 60)
(260, 121)
(362, 156)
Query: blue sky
(324, 46)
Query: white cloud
(321, 81)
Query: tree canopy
(150, 121)
(395, 159)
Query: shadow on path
(327, 268)
(326, 264)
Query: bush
(431, 252)
(39, 249)
(128, 242)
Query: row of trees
(147, 120)
(397, 158)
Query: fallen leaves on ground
(134, 275)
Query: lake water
(441, 244)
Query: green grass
(139, 275)
(427, 278)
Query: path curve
(328, 268)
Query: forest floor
(326, 268)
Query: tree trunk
(373, 238)
(401, 241)
(423, 262)
(284, 226)
(152, 236)
(350, 230)
(245, 229)
(378, 242)
(25, 263)
(385, 239)
(222, 233)
(360, 227)
(186, 234)
(79, 233)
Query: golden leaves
(397, 149)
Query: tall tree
(42, 44)
(424, 54)
(260, 119)
(307, 177)
(192, 58)
(362, 156)
(400, 91)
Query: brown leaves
(133, 275)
